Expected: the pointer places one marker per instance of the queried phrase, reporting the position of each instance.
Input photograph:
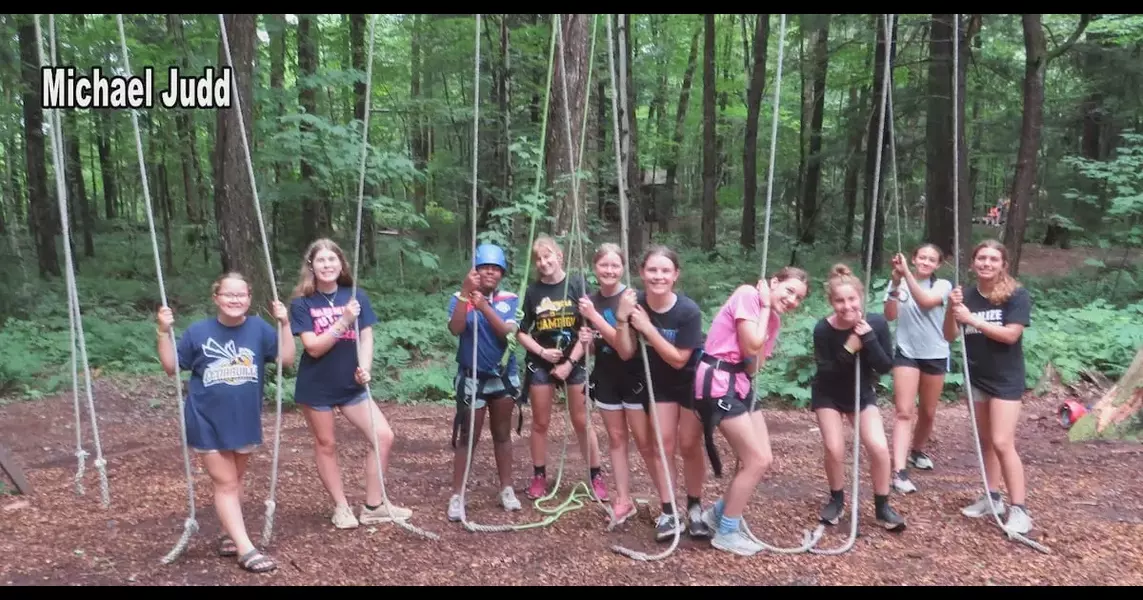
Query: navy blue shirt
(490, 348)
(224, 402)
(329, 380)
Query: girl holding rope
(671, 324)
(481, 302)
(606, 312)
(994, 314)
(549, 332)
(333, 375)
(225, 356)
(747, 325)
(920, 358)
(838, 340)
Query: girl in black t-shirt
(994, 314)
(549, 332)
(839, 339)
(671, 325)
(608, 384)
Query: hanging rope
(856, 474)
(809, 539)
(353, 294)
(74, 314)
(190, 526)
(1012, 535)
(621, 184)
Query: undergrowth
(1089, 320)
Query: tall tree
(42, 220)
(561, 160)
(750, 145)
(709, 138)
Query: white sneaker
(343, 517)
(1018, 521)
(902, 483)
(736, 542)
(508, 499)
(980, 508)
(455, 508)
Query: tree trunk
(1117, 414)
(750, 146)
(315, 223)
(873, 226)
(419, 140)
(562, 160)
(358, 27)
(815, 101)
(675, 155)
(709, 135)
(234, 199)
(42, 219)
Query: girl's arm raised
(166, 346)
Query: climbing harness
(1012, 535)
(621, 184)
(75, 316)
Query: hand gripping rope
(621, 183)
(854, 501)
(809, 539)
(190, 526)
(1012, 535)
(74, 315)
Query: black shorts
(614, 391)
(928, 366)
(842, 405)
(540, 374)
(711, 411)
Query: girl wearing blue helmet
(493, 311)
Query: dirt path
(1087, 501)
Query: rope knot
(99, 462)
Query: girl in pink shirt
(736, 346)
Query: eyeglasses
(234, 296)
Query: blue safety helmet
(490, 254)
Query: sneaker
(343, 517)
(455, 508)
(622, 513)
(710, 518)
(538, 488)
(889, 518)
(699, 528)
(1019, 521)
(832, 511)
(666, 526)
(508, 499)
(599, 487)
(920, 460)
(381, 514)
(980, 507)
(902, 484)
(736, 542)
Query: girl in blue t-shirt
(333, 372)
(225, 356)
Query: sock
(693, 501)
(594, 472)
(837, 495)
(372, 507)
(728, 525)
(995, 496)
(880, 501)
(539, 471)
(718, 507)
(667, 509)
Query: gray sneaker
(920, 460)
(699, 528)
(902, 484)
(666, 527)
(980, 508)
(736, 542)
(1019, 521)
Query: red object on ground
(1070, 412)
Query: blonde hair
(607, 248)
(306, 285)
(1006, 285)
(792, 272)
(840, 275)
(217, 285)
(546, 241)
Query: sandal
(256, 562)
(227, 547)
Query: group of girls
(702, 382)
(225, 355)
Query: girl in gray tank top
(917, 301)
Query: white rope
(855, 500)
(808, 539)
(1012, 535)
(75, 314)
(190, 526)
(353, 294)
(621, 185)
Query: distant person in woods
(549, 332)
(839, 340)
(745, 328)
(920, 358)
(670, 324)
(994, 314)
(333, 373)
(226, 355)
(480, 303)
